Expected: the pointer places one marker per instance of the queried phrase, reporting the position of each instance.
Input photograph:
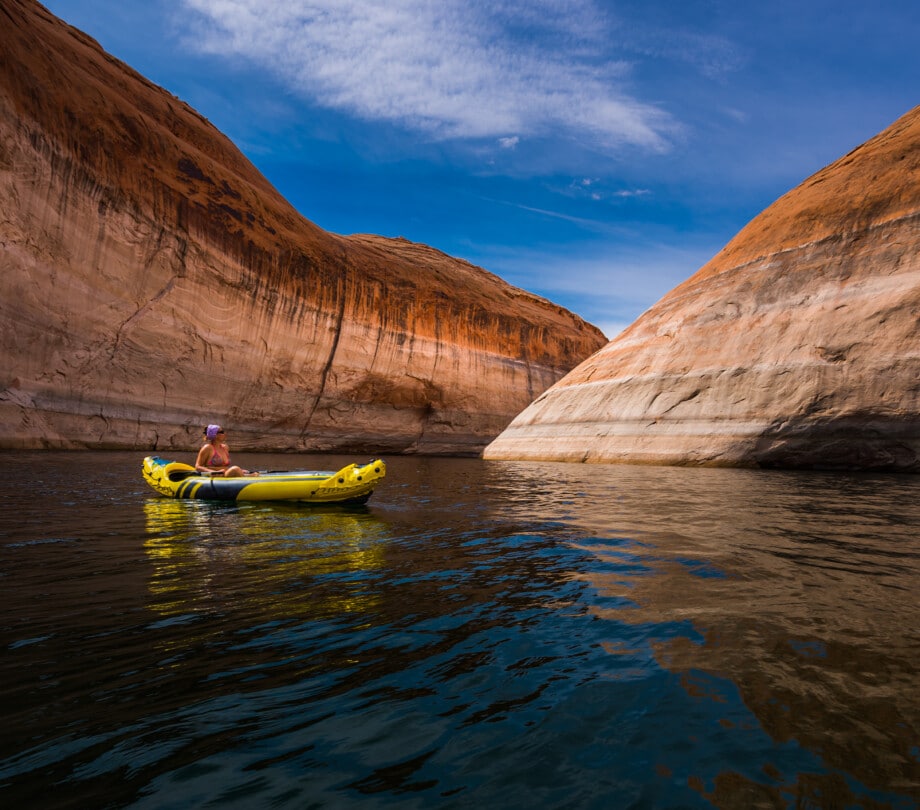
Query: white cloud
(450, 69)
(509, 143)
(711, 55)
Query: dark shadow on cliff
(859, 440)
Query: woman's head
(213, 431)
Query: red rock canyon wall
(152, 280)
(798, 345)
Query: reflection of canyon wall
(800, 591)
(797, 345)
(152, 280)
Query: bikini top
(218, 459)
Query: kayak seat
(181, 475)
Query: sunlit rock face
(798, 345)
(151, 281)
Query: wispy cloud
(583, 222)
(609, 284)
(450, 69)
(713, 56)
(597, 189)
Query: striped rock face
(798, 345)
(152, 281)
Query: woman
(214, 455)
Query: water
(497, 634)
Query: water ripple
(512, 635)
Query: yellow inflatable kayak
(350, 485)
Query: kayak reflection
(282, 559)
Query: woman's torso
(220, 456)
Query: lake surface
(501, 635)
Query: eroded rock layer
(152, 280)
(798, 345)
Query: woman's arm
(200, 464)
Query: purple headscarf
(212, 432)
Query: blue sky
(595, 152)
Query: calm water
(500, 635)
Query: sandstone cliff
(152, 280)
(797, 345)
